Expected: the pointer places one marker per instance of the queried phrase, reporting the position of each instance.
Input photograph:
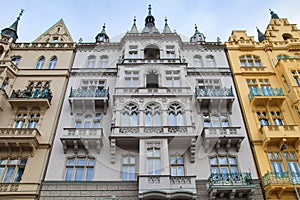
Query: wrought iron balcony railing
(229, 179)
(281, 178)
(212, 92)
(265, 92)
(32, 94)
(80, 92)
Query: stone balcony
(230, 185)
(86, 138)
(93, 99)
(152, 92)
(221, 98)
(279, 135)
(150, 61)
(167, 187)
(279, 183)
(218, 137)
(266, 97)
(41, 98)
(19, 139)
(130, 135)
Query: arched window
(210, 61)
(198, 62)
(103, 61)
(153, 114)
(16, 60)
(286, 36)
(151, 52)
(52, 63)
(130, 115)
(91, 62)
(152, 79)
(40, 63)
(175, 113)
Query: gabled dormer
(58, 33)
(279, 29)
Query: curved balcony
(94, 99)
(221, 98)
(279, 135)
(85, 138)
(232, 185)
(266, 96)
(167, 187)
(28, 97)
(278, 184)
(19, 139)
(217, 137)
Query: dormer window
(16, 60)
(151, 52)
(286, 36)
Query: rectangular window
(128, 167)
(79, 169)
(131, 78)
(153, 160)
(12, 169)
(173, 78)
(177, 165)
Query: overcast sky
(85, 18)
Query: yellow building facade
(267, 78)
(33, 78)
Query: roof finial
(149, 9)
(134, 19)
(166, 20)
(20, 14)
(273, 15)
(261, 36)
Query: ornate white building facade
(151, 117)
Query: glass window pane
(81, 161)
(222, 160)
(157, 166)
(150, 166)
(96, 124)
(232, 161)
(70, 162)
(157, 152)
(179, 119)
(213, 161)
(9, 174)
(179, 160)
(125, 160)
(1, 171)
(79, 174)
(87, 124)
(132, 159)
(150, 152)
(13, 161)
(89, 174)
(277, 155)
(19, 174)
(271, 157)
(132, 172)
(134, 119)
(91, 162)
(173, 171)
(69, 174)
(180, 171)
(173, 159)
(157, 119)
(148, 119)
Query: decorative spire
(273, 15)
(134, 28)
(12, 30)
(102, 36)
(167, 28)
(261, 36)
(197, 37)
(150, 23)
